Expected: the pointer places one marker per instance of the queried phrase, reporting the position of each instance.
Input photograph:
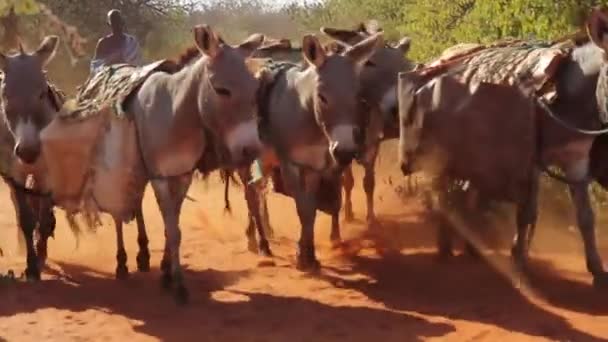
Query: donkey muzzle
(343, 156)
(28, 154)
(244, 143)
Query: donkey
(580, 80)
(212, 96)
(378, 76)
(310, 116)
(378, 89)
(30, 103)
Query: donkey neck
(305, 83)
(580, 82)
(183, 88)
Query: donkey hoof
(143, 262)
(32, 274)
(265, 250)
(600, 281)
(308, 264)
(122, 272)
(165, 281)
(181, 295)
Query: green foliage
(21, 7)
(435, 25)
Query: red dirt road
(385, 286)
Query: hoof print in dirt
(266, 262)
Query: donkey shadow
(464, 288)
(254, 317)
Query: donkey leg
(527, 215)
(252, 241)
(170, 195)
(166, 279)
(122, 272)
(348, 182)
(586, 224)
(305, 185)
(27, 222)
(369, 185)
(252, 198)
(445, 230)
(143, 255)
(265, 215)
(335, 237)
(264, 222)
(305, 204)
(46, 228)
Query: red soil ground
(382, 286)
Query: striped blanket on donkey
(96, 161)
(528, 63)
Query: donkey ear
(349, 37)
(251, 44)
(364, 50)
(206, 40)
(46, 50)
(404, 45)
(313, 51)
(597, 28)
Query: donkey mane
(189, 55)
(186, 57)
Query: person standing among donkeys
(117, 47)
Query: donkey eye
(42, 95)
(222, 91)
(370, 64)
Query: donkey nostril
(344, 156)
(26, 154)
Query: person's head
(116, 21)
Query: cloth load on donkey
(531, 64)
(92, 143)
(328, 195)
(462, 88)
